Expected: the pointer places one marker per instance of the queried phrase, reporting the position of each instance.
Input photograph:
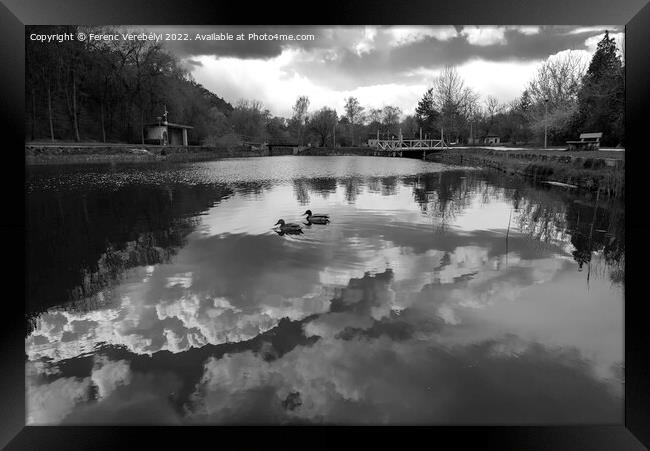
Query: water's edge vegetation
(591, 172)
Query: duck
(288, 232)
(288, 227)
(317, 218)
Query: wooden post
(185, 137)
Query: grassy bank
(71, 153)
(593, 171)
(326, 151)
(39, 154)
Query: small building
(279, 146)
(283, 148)
(250, 145)
(491, 139)
(165, 133)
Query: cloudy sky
(378, 65)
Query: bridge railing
(407, 144)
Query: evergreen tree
(426, 114)
(521, 116)
(602, 96)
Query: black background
(634, 13)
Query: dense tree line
(105, 91)
(564, 98)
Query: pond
(161, 294)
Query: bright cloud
(277, 86)
(527, 30)
(484, 35)
(50, 403)
(407, 35)
(389, 65)
(366, 43)
(108, 375)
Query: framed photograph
(401, 222)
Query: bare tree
(374, 117)
(409, 126)
(474, 116)
(322, 122)
(453, 99)
(300, 115)
(492, 108)
(558, 79)
(249, 119)
(554, 91)
(354, 113)
(390, 118)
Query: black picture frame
(633, 434)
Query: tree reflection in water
(591, 224)
(80, 242)
(366, 320)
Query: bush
(228, 141)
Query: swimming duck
(288, 227)
(317, 218)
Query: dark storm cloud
(258, 49)
(458, 50)
(334, 58)
(430, 53)
(519, 46)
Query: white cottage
(165, 133)
(492, 139)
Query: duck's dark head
(308, 213)
(280, 222)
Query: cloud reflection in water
(408, 310)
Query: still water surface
(436, 295)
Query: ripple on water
(262, 171)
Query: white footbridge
(396, 147)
